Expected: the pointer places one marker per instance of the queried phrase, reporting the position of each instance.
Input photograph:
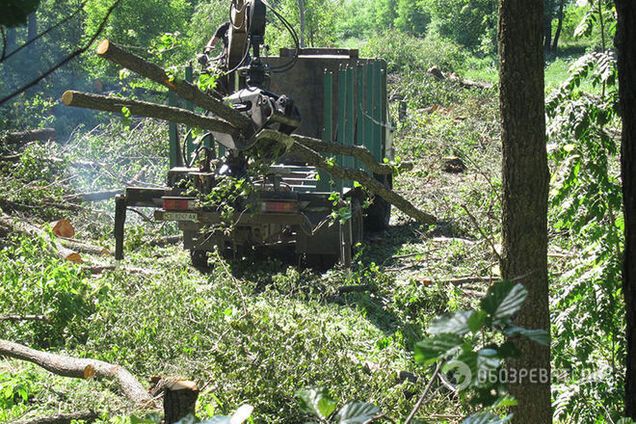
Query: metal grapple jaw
(266, 110)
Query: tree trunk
(559, 28)
(547, 31)
(525, 194)
(11, 40)
(184, 89)
(151, 110)
(32, 26)
(179, 400)
(67, 366)
(301, 18)
(625, 42)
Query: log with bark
(441, 76)
(96, 196)
(110, 51)
(151, 110)
(313, 158)
(23, 137)
(67, 366)
(19, 226)
(88, 416)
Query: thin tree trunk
(625, 42)
(547, 31)
(301, 18)
(525, 195)
(11, 40)
(184, 89)
(559, 28)
(67, 366)
(151, 110)
(32, 26)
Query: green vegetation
(293, 343)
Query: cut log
(18, 226)
(67, 366)
(110, 51)
(63, 228)
(84, 247)
(359, 152)
(179, 400)
(440, 76)
(312, 158)
(23, 137)
(166, 241)
(87, 416)
(96, 196)
(151, 110)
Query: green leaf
(433, 348)
(357, 413)
(476, 321)
(317, 402)
(486, 418)
(537, 335)
(456, 323)
(503, 300)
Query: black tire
(199, 258)
(378, 214)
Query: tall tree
(559, 28)
(625, 42)
(525, 194)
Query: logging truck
(317, 117)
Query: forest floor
(257, 330)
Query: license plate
(180, 216)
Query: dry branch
(151, 110)
(440, 76)
(312, 158)
(67, 366)
(110, 51)
(359, 152)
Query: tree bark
(57, 247)
(23, 137)
(313, 158)
(67, 366)
(359, 152)
(301, 18)
(625, 42)
(11, 40)
(88, 416)
(559, 28)
(32, 26)
(179, 400)
(525, 193)
(151, 110)
(184, 89)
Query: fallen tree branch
(359, 152)
(88, 416)
(23, 137)
(18, 226)
(313, 158)
(83, 247)
(67, 366)
(16, 318)
(440, 76)
(110, 51)
(96, 196)
(150, 110)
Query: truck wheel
(199, 258)
(378, 214)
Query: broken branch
(67, 366)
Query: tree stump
(179, 400)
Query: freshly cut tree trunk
(625, 42)
(19, 226)
(184, 89)
(525, 195)
(63, 228)
(151, 110)
(96, 196)
(179, 400)
(67, 366)
(313, 158)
